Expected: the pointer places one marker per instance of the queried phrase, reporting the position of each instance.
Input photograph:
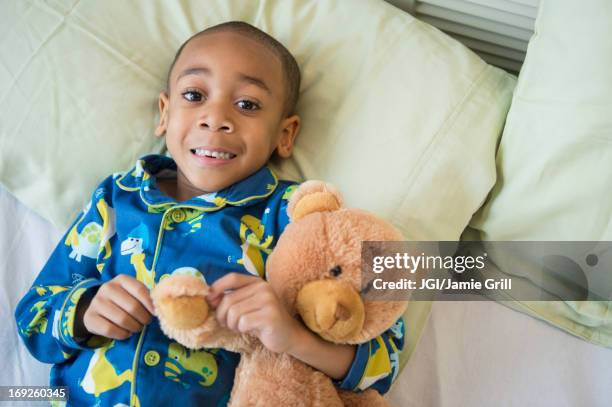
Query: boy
(214, 210)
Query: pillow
(402, 118)
(555, 156)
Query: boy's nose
(215, 119)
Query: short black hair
(289, 65)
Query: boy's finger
(214, 300)
(98, 325)
(139, 291)
(131, 305)
(232, 281)
(251, 322)
(238, 311)
(245, 299)
(116, 315)
(249, 292)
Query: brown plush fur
(267, 379)
(315, 270)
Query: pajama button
(151, 358)
(178, 215)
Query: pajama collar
(142, 179)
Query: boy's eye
(247, 105)
(192, 96)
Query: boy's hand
(252, 307)
(121, 307)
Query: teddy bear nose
(332, 308)
(342, 314)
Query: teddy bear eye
(335, 271)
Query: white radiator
(497, 30)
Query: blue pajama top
(131, 227)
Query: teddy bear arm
(222, 337)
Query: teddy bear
(315, 270)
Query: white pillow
(555, 156)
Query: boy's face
(224, 114)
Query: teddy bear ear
(313, 196)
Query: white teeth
(214, 154)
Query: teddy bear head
(315, 268)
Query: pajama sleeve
(45, 315)
(376, 363)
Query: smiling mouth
(217, 154)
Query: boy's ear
(163, 115)
(290, 128)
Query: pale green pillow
(404, 119)
(555, 156)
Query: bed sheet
(481, 353)
(470, 354)
(26, 240)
